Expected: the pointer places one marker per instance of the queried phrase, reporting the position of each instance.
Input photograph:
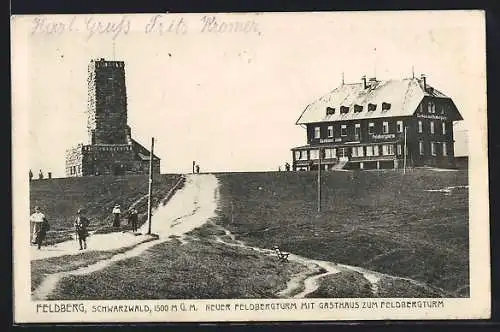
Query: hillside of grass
(60, 198)
(381, 221)
(200, 269)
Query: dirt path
(190, 207)
(305, 283)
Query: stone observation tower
(111, 149)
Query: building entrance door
(342, 154)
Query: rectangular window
(443, 127)
(343, 130)
(357, 131)
(357, 151)
(387, 149)
(433, 148)
(445, 149)
(399, 126)
(330, 131)
(421, 148)
(313, 154)
(375, 150)
(342, 152)
(301, 155)
(330, 153)
(385, 126)
(317, 132)
(371, 128)
(432, 127)
(400, 149)
(369, 151)
(420, 126)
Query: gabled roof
(403, 96)
(142, 152)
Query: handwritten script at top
(159, 24)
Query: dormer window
(344, 109)
(386, 106)
(330, 110)
(358, 108)
(372, 107)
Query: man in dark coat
(42, 233)
(132, 219)
(81, 228)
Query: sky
(229, 100)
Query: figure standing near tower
(40, 175)
(31, 175)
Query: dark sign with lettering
(383, 136)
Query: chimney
(422, 77)
(364, 81)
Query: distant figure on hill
(279, 168)
(132, 219)
(31, 175)
(116, 216)
(287, 167)
(81, 228)
(40, 175)
(37, 218)
(197, 169)
(49, 175)
(194, 163)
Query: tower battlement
(103, 63)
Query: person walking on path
(81, 228)
(132, 219)
(42, 233)
(37, 218)
(116, 216)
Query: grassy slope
(59, 199)
(43, 267)
(377, 220)
(198, 270)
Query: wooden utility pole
(150, 188)
(319, 180)
(404, 156)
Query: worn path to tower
(190, 207)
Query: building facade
(111, 149)
(375, 124)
